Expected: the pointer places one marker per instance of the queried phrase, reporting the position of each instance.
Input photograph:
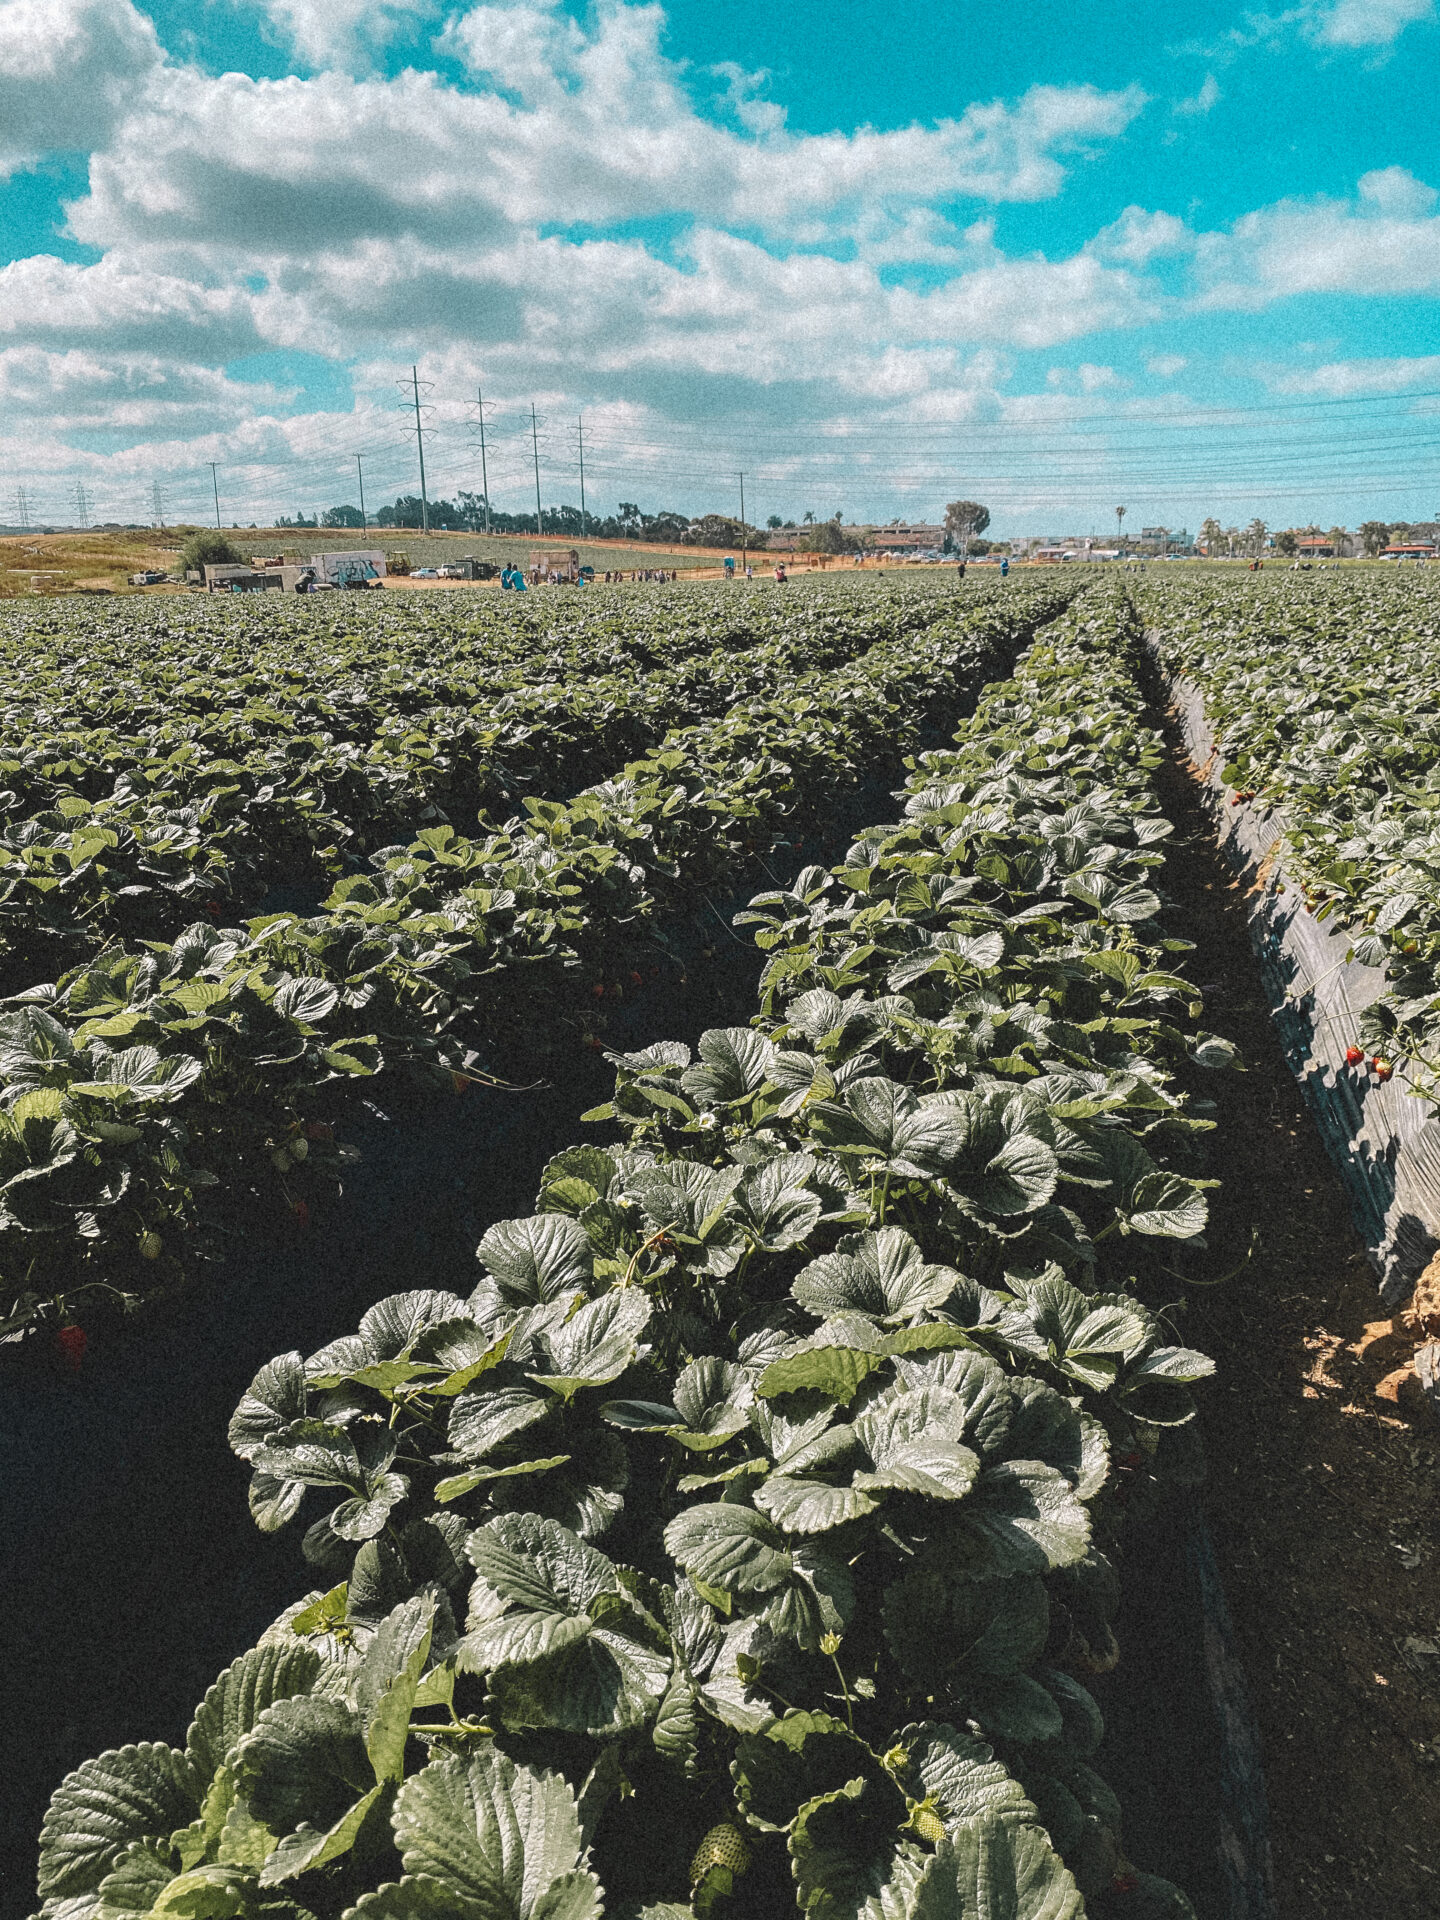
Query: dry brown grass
(32, 563)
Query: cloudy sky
(1055, 258)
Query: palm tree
(1255, 534)
(1120, 525)
(1211, 534)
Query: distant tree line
(466, 514)
(965, 520)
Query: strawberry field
(1323, 696)
(791, 990)
(746, 1539)
(249, 865)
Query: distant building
(915, 538)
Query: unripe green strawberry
(151, 1245)
(299, 1148)
(723, 1846)
(925, 1822)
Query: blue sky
(875, 258)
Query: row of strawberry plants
(1322, 696)
(110, 833)
(131, 1082)
(739, 1545)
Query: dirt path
(1325, 1505)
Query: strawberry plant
(1321, 693)
(742, 1542)
(437, 959)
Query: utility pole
(744, 549)
(360, 468)
(535, 447)
(215, 488)
(420, 445)
(584, 523)
(484, 476)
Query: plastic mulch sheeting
(1379, 1134)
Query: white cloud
(342, 33)
(1382, 242)
(1202, 102)
(1138, 237)
(1396, 192)
(1368, 23)
(56, 304)
(68, 72)
(565, 129)
(1088, 377)
(1340, 379)
(1349, 25)
(1166, 365)
(81, 391)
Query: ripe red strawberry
(319, 1130)
(598, 990)
(1124, 1883)
(1353, 1056)
(72, 1342)
(301, 1211)
(461, 1084)
(635, 979)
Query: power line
(215, 488)
(360, 469)
(535, 447)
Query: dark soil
(1323, 1502)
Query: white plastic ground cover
(1379, 1134)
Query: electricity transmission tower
(22, 508)
(82, 504)
(157, 504)
(479, 423)
(414, 383)
(535, 448)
